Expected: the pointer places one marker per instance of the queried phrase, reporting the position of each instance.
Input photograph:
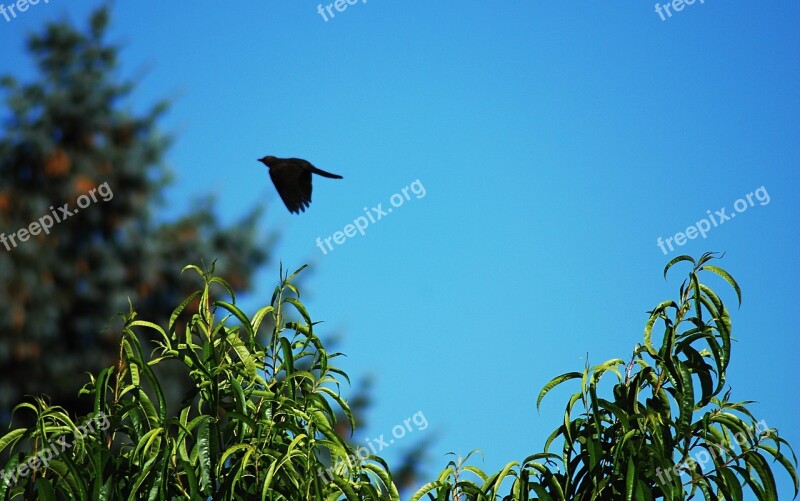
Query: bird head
(267, 160)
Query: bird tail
(325, 174)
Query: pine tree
(69, 138)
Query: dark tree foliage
(69, 138)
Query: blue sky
(556, 143)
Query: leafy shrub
(259, 423)
(666, 431)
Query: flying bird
(292, 179)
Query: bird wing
(293, 185)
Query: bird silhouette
(292, 179)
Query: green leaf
(11, 438)
(239, 314)
(675, 261)
(630, 479)
(204, 453)
(300, 308)
(226, 285)
(45, 488)
(757, 463)
(555, 382)
(250, 364)
(177, 311)
(429, 487)
(724, 274)
(291, 277)
(685, 398)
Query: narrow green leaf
(555, 382)
(675, 261)
(177, 311)
(728, 278)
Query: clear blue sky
(556, 143)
